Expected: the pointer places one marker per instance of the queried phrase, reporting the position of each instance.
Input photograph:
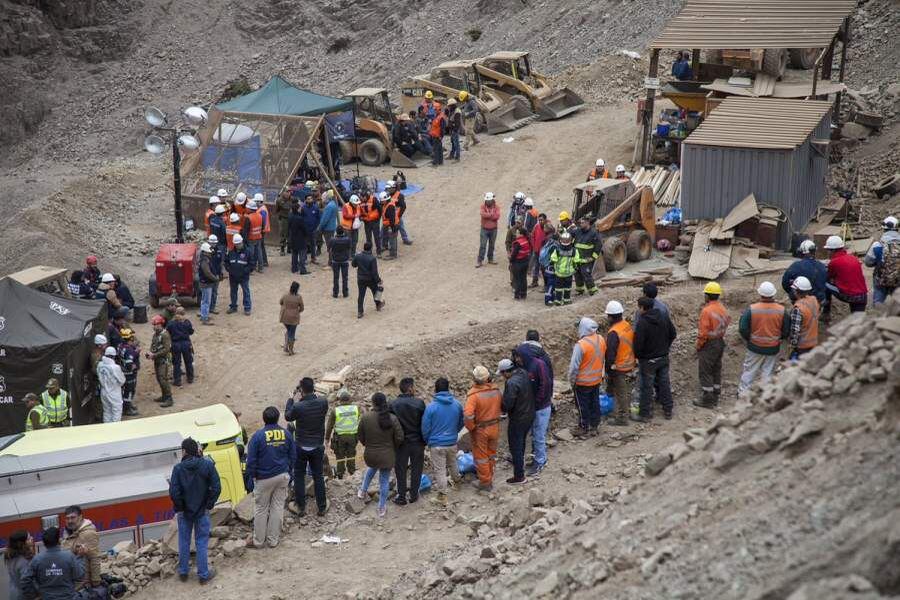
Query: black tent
(43, 336)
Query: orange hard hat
(91, 260)
(157, 320)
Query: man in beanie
(482, 419)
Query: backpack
(888, 273)
(546, 251)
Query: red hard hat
(91, 260)
(157, 320)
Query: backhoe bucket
(559, 104)
(512, 115)
(401, 161)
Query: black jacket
(297, 230)
(308, 416)
(409, 411)
(194, 486)
(653, 336)
(339, 246)
(366, 267)
(518, 397)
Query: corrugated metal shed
(718, 24)
(778, 163)
(741, 122)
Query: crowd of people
(424, 129)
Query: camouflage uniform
(161, 348)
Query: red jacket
(845, 272)
(538, 237)
(489, 216)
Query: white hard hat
(99, 339)
(620, 168)
(251, 205)
(834, 242)
(519, 196)
(529, 202)
(614, 307)
(390, 183)
(213, 199)
(238, 239)
(489, 196)
(108, 278)
(383, 196)
(205, 247)
(234, 218)
(505, 365)
(257, 197)
(807, 247)
(220, 209)
(354, 199)
(240, 198)
(890, 222)
(601, 162)
(802, 284)
(110, 351)
(213, 239)
(222, 193)
(766, 289)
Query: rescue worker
(239, 263)
(339, 256)
(217, 226)
(161, 354)
(551, 245)
(531, 215)
(441, 424)
(430, 107)
(808, 266)
(340, 433)
(436, 131)
(566, 224)
(563, 261)
(490, 216)
(619, 360)
(586, 373)
(620, 172)
(370, 214)
(846, 281)
(283, 211)
(111, 380)
(113, 337)
(587, 249)
(390, 222)
(469, 109)
(482, 419)
(653, 337)
(56, 401)
(763, 325)
(83, 540)
(36, 415)
(804, 327)
(107, 291)
(215, 264)
(210, 211)
(240, 204)
(409, 410)
(454, 128)
(232, 229)
(52, 574)
(129, 352)
(599, 171)
(180, 330)
(714, 322)
(208, 281)
(254, 228)
(91, 273)
(518, 404)
(367, 278)
(308, 411)
(884, 256)
(270, 462)
(100, 344)
(516, 209)
(267, 228)
(350, 221)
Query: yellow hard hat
(713, 288)
(429, 95)
(126, 333)
(463, 96)
(564, 216)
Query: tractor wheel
(480, 122)
(804, 58)
(372, 153)
(639, 245)
(614, 254)
(775, 62)
(154, 301)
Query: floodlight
(195, 115)
(188, 141)
(155, 117)
(154, 144)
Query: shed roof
(278, 97)
(773, 123)
(719, 24)
(365, 92)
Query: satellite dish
(195, 115)
(155, 117)
(188, 142)
(228, 133)
(154, 144)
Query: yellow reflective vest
(346, 419)
(57, 408)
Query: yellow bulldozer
(496, 113)
(511, 75)
(375, 120)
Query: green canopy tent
(278, 97)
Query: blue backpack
(546, 251)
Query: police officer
(239, 263)
(56, 401)
(37, 414)
(343, 423)
(270, 461)
(161, 355)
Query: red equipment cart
(176, 273)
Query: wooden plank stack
(666, 184)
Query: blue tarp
(411, 188)
(243, 160)
(278, 97)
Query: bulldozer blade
(401, 161)
(559, 104)
(514, 114)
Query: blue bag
(424, 483)
(465, 462)
(607, 403)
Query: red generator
(176, 274)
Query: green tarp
(278, 97)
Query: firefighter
(37, 417)
(371, 218)
(804, 329)
(587, 249)
(763, 325)
(599, 171)
(340, 431)
(586, 372)
(130, 361)
(161, 355)
(620, 361)
(239, 263)
(482, 419)
(714, 321)
(563, 261)
(56, 401)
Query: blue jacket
(442, 420)
(329, 221)
(216, 258)
(311, 215)
(240, 263)
(180, 331)
(270, 452)
(217, 227)
(812, 269)
(194, 486)
(52, 575)
(540, 371)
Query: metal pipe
(176, 168)
(839, 96)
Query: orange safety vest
(348, 214)
(385, 221)
(482, 410)
(593, 354)
(267, 223)
(625, 353)
(435, 130)
(766, 320)
(370, 209)
(209, 212)
(714, 321)
(596, 174)
(230, 230)
(240, 209)
(809, 325)
(256, 226)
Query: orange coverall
(482, 419)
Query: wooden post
(328, 150)
(648, 106)
(828, 60)
(695, 62)
(845, 39)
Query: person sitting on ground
(341, 431)
(52, 574)
(91, 272)
(83, 540)
(124, 293)
(270, 462)
(78, 287)
(381, 434)
(441, 424)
